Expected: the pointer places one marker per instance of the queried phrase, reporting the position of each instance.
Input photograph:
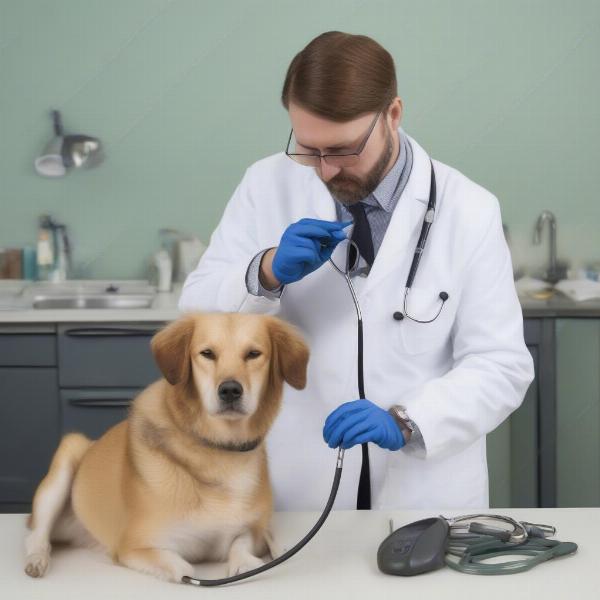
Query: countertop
(17, 308)
(340, 562)
(559, 306)
(17, 304)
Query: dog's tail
(50, 499)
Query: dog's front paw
(275, 550)
(36, 564)
(177, 568)
(244, 564)
(164, 564)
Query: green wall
(185, 94)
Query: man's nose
(328, 171)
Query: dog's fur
(184, 478)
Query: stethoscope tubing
(427, 221)
(471, 542)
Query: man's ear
(171, 349)
(290, 352)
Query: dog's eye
(253, 354)
(208, 354)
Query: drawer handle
(108, 331)
(100, 402)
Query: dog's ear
(290, 352)
(171, 349)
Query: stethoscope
(397, 315)
(427, 222)
(475, 539)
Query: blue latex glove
(362, 421)
(305, 246)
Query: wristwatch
(403, 421)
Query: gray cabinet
(521, 451)
(102, 367)
(578, 412)
(28, 345)
(93, 411)
(60, 378)
(29, 411)
(106, 354)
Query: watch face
(400, 413)
(404, 418)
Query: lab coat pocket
(423, 303)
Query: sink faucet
(553, 274)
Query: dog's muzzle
(230, 394)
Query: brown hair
(341, 76)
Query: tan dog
(185, 477)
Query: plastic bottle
(45, 254)
(164, 267)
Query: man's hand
(359, 422)
(304, 247)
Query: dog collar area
(230, 446)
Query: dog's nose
(230, 391)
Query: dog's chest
(208, 532)
(197, 542)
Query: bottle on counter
(29, 263)
(164, 269)
(10, 263)
(45, 252)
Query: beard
(348, 189)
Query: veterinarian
(433, 390)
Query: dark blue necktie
(361, 234)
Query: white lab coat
(459, 377)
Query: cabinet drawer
(92, 412)
(27, 346)
(106, 355)
(29, 430)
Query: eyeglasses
(335, 160)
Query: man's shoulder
(463, 195)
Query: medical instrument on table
(427, 221)
(416, 548)
(519, 532)
(464, 543)
(472, 542)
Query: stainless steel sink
(90, 294)
(93, 301)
